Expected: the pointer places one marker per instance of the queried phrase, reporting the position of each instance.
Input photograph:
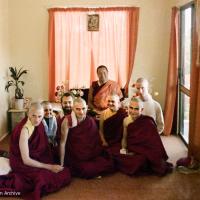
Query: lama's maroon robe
(149, 153)
(32, 182)
(100, 93)
(84, 153)
(113, 130)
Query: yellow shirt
(29, 127)
(107, 114)
(127, 121)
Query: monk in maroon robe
(83, 151)
(142, 149)
(66, 103)
(101, 89)
(111, 124)
(33, 172)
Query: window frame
(182, 89)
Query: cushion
(4, 166)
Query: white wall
(151, 59)
(179, 3)
(4, 63)
(29, 40)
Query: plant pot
(19, 104)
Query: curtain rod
(81, 6)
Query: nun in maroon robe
(32, 182)
(113, 131)
(149, 155)
(84, 153)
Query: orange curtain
(197, 6)
(51, 48)
(75, 52)
(172, 76)
(133, 33)
(194, 126)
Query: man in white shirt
(151, 107)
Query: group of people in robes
(133, 139)
(123, 141)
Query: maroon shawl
(113, 130)
(30, 181)
(96, 87)
(84, 153)
(113, 127)
(143, 139)
(58, 133)
(59, 124)
(56, 149)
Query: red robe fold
(84, 153)
(58, 133)
(149, 153)
(31, 181)
(56, 149)
(59, 124)
(113, 131)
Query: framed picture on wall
(93, 22)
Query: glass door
(186, 26)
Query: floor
(174, 186)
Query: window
(186, 26)
(75, 52)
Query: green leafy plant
(16, 82)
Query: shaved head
(80, 109)
(113, 102)
(137, 100)
(35, 106)
(135, 107)
(142, 86)
(36, 113)
(143, 81)
(80, 100)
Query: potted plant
(16, 75)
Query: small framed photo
(93, 22)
